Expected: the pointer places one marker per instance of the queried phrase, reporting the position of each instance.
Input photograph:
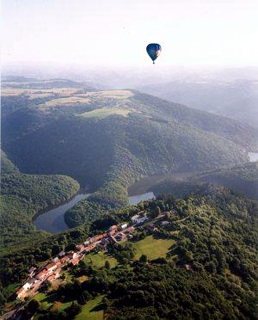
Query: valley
(79, 160)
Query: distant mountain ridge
(235, 99)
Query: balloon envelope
(153, 50)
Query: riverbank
(53, 220)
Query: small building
(51, 266)
(135, 217)
(90, 247)
(64, 259)
(32, 281)
(99, 237)
(56, 259)
(61, 254)
(80, 247)
(75, 261)
(124, 225)
(54, 276)
(32, 271)
(27, 286)
(165, 223)
(72, 255)
(20, 293)
(129, 230)
(42, 275)
(141, 220)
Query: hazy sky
(109, 32)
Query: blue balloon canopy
(153, 50)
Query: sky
(116, 32)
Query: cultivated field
(153, 248)
(105, 112)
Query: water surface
(133, 200)
(53, 220)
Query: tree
(33, 306)
(107, 265)
(143, 258)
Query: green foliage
(243, 178)
(109, 154)
(83, 212)
(208, 270)
(23, 196)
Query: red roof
(50, 265)
(42, 274)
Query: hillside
(195, 258)
(108, 139)
(236, 99)
(242, 179)
(22, 197)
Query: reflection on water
(53, 220)
(133, 200)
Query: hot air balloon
(153, 50)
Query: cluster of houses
(52, 270)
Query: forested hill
(108, 139)
(195, 258)
(22, 197)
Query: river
(53, 220)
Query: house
(54, 276)
(129, 229)
(80, 247)
(90, 247)
(86, 243)
(141, 220)
(61, 254)
(42, 275)
(75, 261)
(135, 217)
(72, 255)
(32, 281)
(165, 223)
(27, 286)
(32, 271)
(99, 237)
(56, 259)
(51, 266)
(64, 260)
(21, 293)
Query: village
(37, 277)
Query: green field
(48, 302)
(65, 101)
(98, 259)
(153, 248)
(105, 112)
(88, 311)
